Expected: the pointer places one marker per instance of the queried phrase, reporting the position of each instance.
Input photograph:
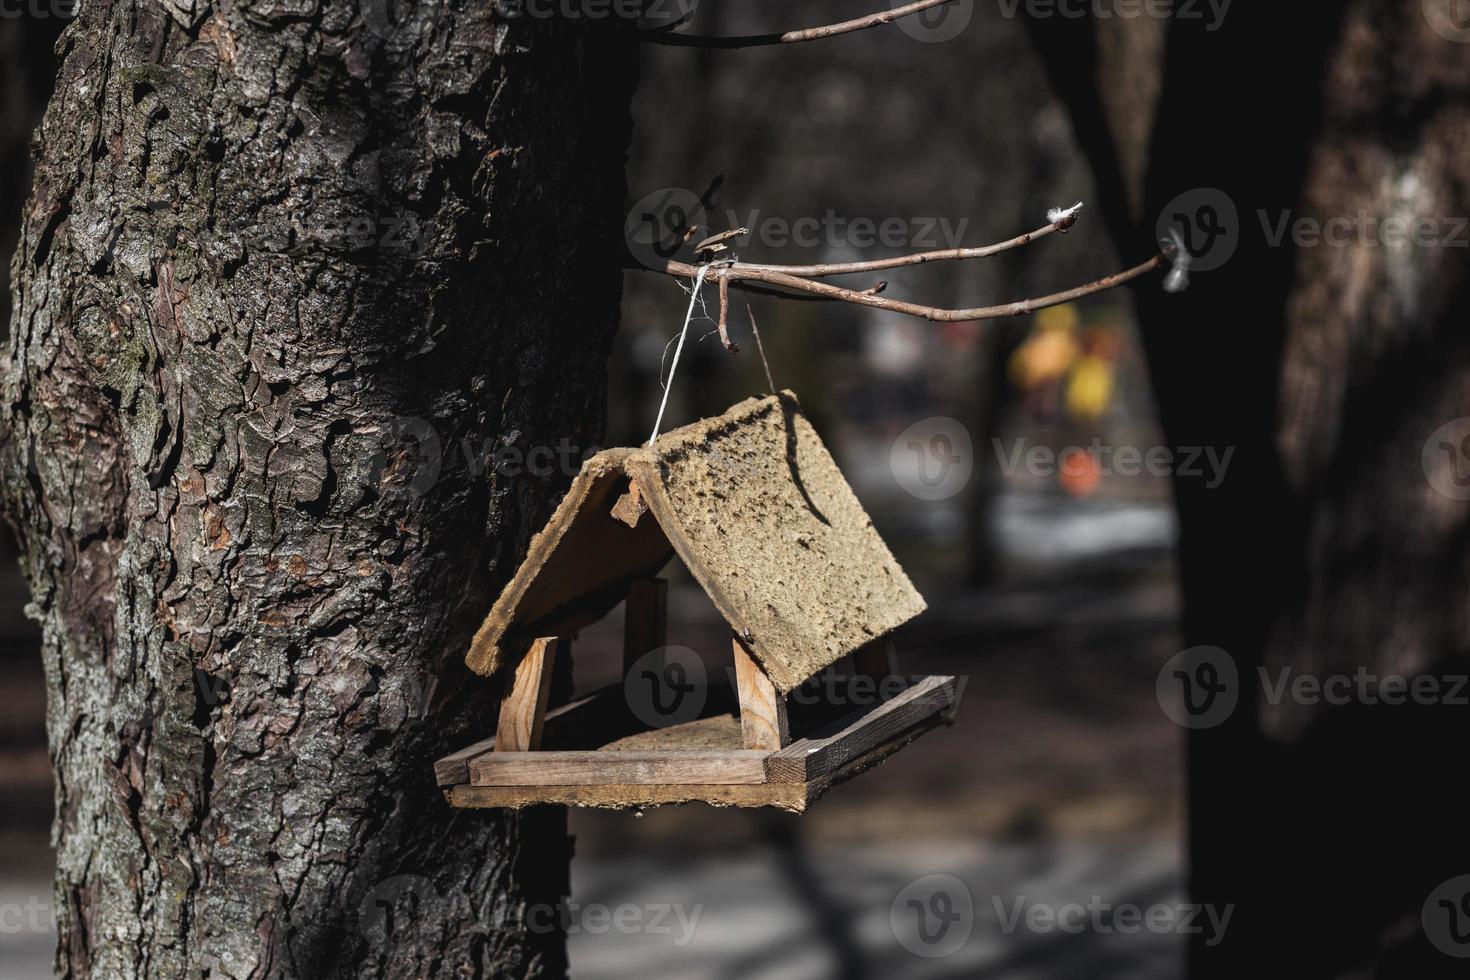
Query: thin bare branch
(674, 39)
(919, 258)
(735, 273)
(760, 347)
(730, 345)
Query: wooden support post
(762, 708)
(876, 660)
(645, 620)
(523, 708)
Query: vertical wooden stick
(762, 708)
(645, 621)
(523, 709)
(877, 660)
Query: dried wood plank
(814, 757)
(523, 708)
(645, 619)
(787, 796)
(617, 768)
(793, 797)
(762, 708)
(569, 724)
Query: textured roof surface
(754, 505)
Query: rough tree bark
(288, 270)
(1326, 550)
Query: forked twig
(737, 274)
(669, 37)
(801, 281)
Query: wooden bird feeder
(753, 504)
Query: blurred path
(753, 924)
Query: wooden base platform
(595, 754)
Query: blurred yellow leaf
(1090, 388)
(1064, 317)
(1044, 357)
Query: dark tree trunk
(27, 67)
(1326, 549)
(287, 271)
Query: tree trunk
(289, 271)
(1327, 549)
(27, 66)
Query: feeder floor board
(699, 761)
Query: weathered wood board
(702, 761)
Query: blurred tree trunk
(1328, 368)
(286, 271)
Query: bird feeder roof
(755, 507)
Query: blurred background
(1051, 587)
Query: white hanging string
(693, 299)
